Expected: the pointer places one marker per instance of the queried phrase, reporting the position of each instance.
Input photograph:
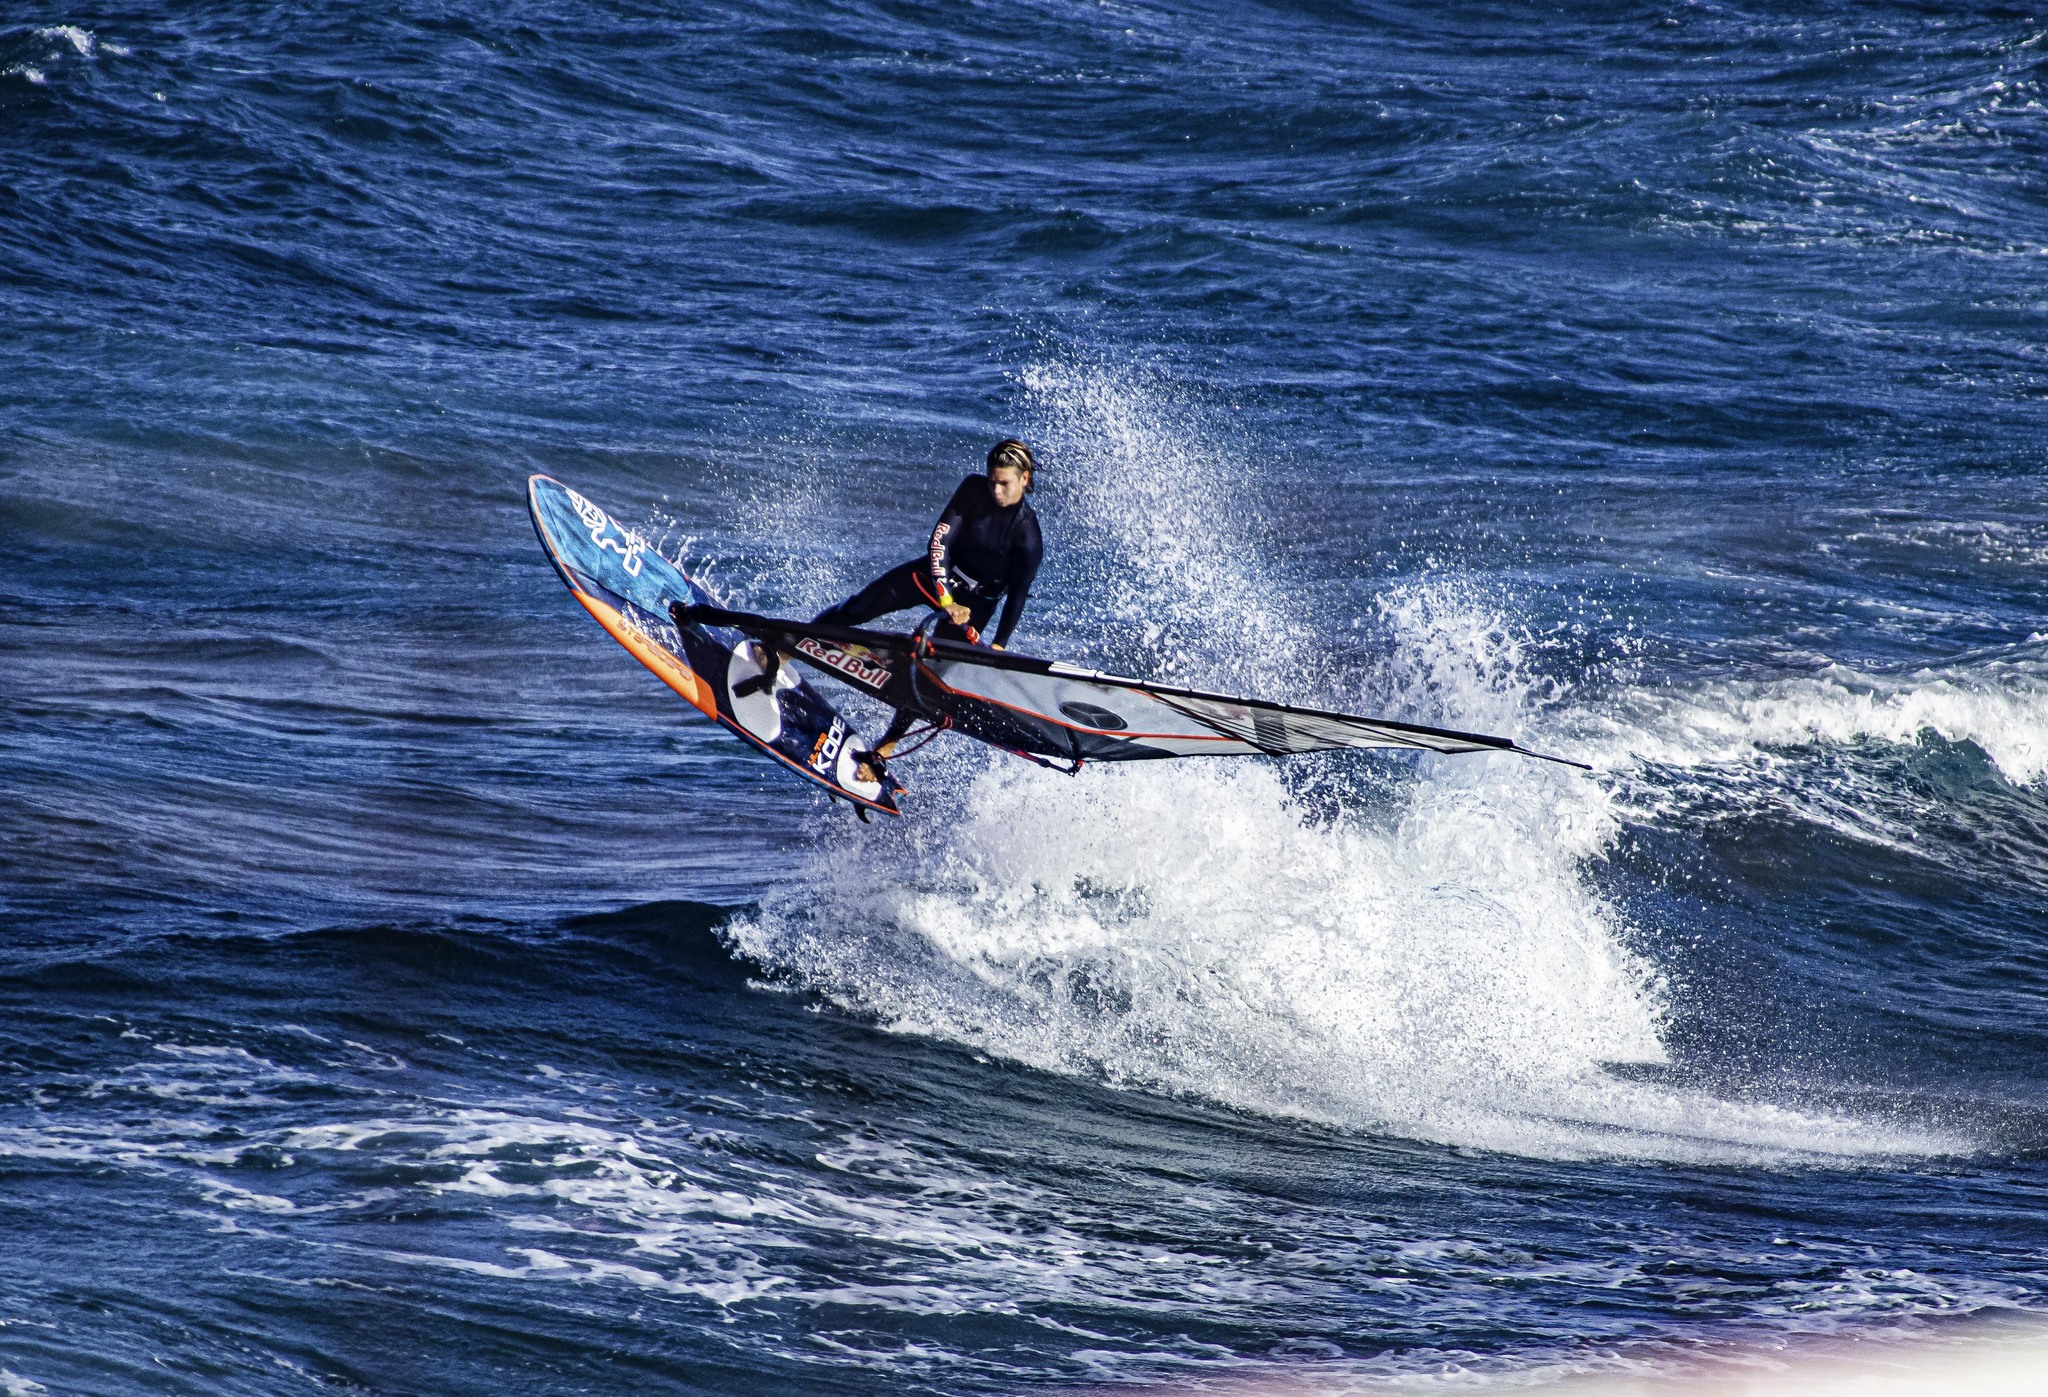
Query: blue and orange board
(627, 586)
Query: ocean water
(403, 992)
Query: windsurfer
(984, 551)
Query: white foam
(652, 1202)
(237, 1199)
(643, 1204)
(2000, 705)
(80, 39)
(1421, 956)
(1978, 541)
(1194, 929)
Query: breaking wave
(1998, 704)
(1419, 953)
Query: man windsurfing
(984, 551)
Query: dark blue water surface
(404, 992)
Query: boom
(1051, 709)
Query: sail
(1053, 709)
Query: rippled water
(403, 992)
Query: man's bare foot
(870, 766)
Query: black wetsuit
(980, 552)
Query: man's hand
(958, 614)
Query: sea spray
(1158, 532)
(1429, 961)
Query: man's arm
(940, 553)
(1023, 572)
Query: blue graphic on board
(628, 587)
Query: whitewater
(1426, 956)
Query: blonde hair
(1014, 454)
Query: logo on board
(600, 525)
(826, 749)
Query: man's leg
(898, 725)
(894, 590)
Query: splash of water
(1431, 962)
(1159, 536)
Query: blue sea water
(405, 993)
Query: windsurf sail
(1050, 709)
